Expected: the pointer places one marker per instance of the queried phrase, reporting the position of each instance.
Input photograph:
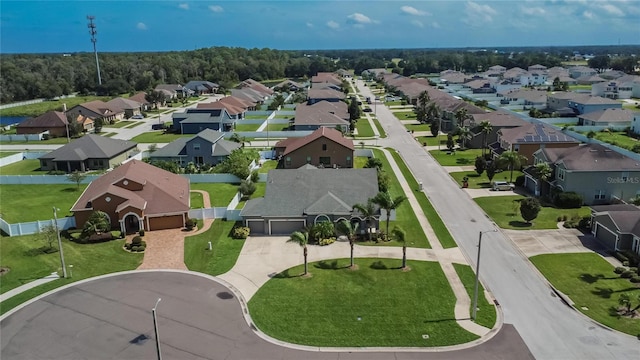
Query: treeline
(31, 76)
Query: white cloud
(413, 11)
(141, 26)
(417, 23)
(309, 25)
(216, 8)
(533, 11)
(611, 9)
(332, 24)
(184, 6)
(359, 18)
(478, 14)
(588, 14)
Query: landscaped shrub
(240, 232)
(137, 240)
(635, 279)
(141, 232)
(135, 248)
(519, 181)
(585, 222)
(56, 172)
(619, 270)
(620, 256)
(328, 241)
(627, 274)
(568, 200)
(633, 270)
(190, 224)
(633, 258)
(97, 238)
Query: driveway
(198, 318)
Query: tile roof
(591, 157)
(328, 133)
(162, 191)
(300, 192)
(90, 146)
(48, 119)
(535, 133)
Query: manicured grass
(277, 127)
(158, 137)
(438, 226)
(43, 107)
(120, 124)
(405, 217)
(23, 167)
(418, 127)
(220, 194)
(589, 281)
(505, 211)
(196, 200)
(459, 157)
(364, 128)
(383, 134)
(223, 255)
(360, 162)
(405, 115)
(376, 305)
(486, 313)
(482, 181)
(268, 165)
(41, 200)
(23, 255)
(7, 153)
(433, 141)
(392, 103)
(109, 134)
(256, 117)
(247, 127)
(283, 116)
(260, 189)
(134, 124)
(618, 138)
(579, 87)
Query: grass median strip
(486, 313)
(376, 305)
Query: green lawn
(43, 107)
(482, 181)
(196, 200)
(268, 165)
(158, 137)
(223, 255)
(256, 117)
(23, 167)
(486, 313)
(418, 127)
(618, 138)
(360, 162)
(40, 203)
(219, 193)
(383, 134)
(120, 124)
(108, 134)
(260, 189)
(505, 211)
(134, 124)
(277, 127)
(283, 116)
(405, 115)
(247, 127)
(458, 158)
(433, 141)
(364, 128)
(23, 256)
(579, 87)
(393, 103)
(438, 226)
(589, 281)
(7, 153)
(405, 217)
(376, 305)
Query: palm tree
(461, 115)
(485, 128)
(513, 160)
(400, 236)
(302, 239)
(368, 212)
(350, 231)
(433, 117)
(464, 134)
(385, 201)
(542, 172)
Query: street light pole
(474, 308)
(55, 224)
(155, 328)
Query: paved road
(110, 318)
(550, 328)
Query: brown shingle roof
(591, 157)
(331, 134)
(322, 113)
(609, 115)
(499, 118)
(48, 119)
(535, 133)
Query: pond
(9, 120)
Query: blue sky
(61, 26)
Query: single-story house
(96, 109)
(127, 106)
(53, 121)
(202, 87)
(317, 95)
(136, 196)
(324, 147)
(607, 117)
(206, 147)
(89, 152)
(172, 91)
(195, 120)
(319, 114)
(295, 198)
(617, 226)
(289, 85)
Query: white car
(502, 186)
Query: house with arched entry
(136, 196)
(295, 198)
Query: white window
(600, 195)
(560, 173)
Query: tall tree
(368, 213)
(485, 128)
(349, 230)
(491, 169)
(461, 115)
(433, 117)
(512, 160)
(529, 209)
(354, 109)
(302, 239)
(422, 106)
(400, 236)
(388, 203)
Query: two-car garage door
(275, 227)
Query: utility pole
(93, 32)
(474, 308)
(64, 110)
(55, 224)
(155, 328)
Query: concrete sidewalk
(30, 285)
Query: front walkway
(165, 248)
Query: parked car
(502, 186)
(367, 110)
(137, 116)
(157, 126)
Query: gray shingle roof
(90, 146)
(297, 192)
(220, 147)
(591, 157)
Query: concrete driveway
(198, 318)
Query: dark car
(157, 126)
(367, 110)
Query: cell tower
(93, 32)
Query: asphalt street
(198, 318)
(550, 328)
